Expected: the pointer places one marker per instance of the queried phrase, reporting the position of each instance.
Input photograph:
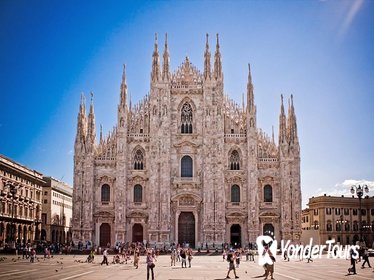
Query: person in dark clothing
(353, 262)
(231, 260)
(150, 265)
(366, 258)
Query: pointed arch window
(186, 166)
(105, 193)
(139, 160)
(234, 160)
(138, 194)
(268, 193)
(186, 118)
(235, 194)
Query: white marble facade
(186, 164)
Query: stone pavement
(64, 267)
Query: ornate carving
(186, 75)
(186, 201)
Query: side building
(334, 217)
(20, 203)
(56, 211)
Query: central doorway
(104, 235)
(236, 236)
(137, 233)
(186, 229)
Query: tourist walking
(189, 256)
(150, 265)
(366, 258)
(353, 262)
(136, 258)
(105, 257)
(285, 256)
(32, 255)
(231, 260)
(183, 257)
(237, 257)
(269, 268)
(179, 254)
(173, 256)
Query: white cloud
(344, 188)
(352, 12)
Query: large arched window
(139, 160)
(268, 193)
(234, 160)
(138, 193)
(186, 166)
(105, 193)
(235, 193)
(186, 118)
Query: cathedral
(186, 164)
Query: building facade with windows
(57, 211)
(20, 210)
(331, 217)
(186, 165)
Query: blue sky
(319, 51)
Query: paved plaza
(64, 267)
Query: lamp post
(13, 191)
(359, 190)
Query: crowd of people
(123, 253)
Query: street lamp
(341, 222)
(13, 191)
(359, 190)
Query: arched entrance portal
(104, 234)
(186, 229)
(236, 235)
(268, 229)
(44, 235)
(137, 233)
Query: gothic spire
(207, 71)
(166, 61)
(292, 127)
(155, 75)
(217, 62)
(282, 124)
(250, 97)
(91, 132)
(101, 134)
(81, 123)
(123, 97)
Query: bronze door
(186, 229)
(137, 233)
(104, 235)
(236, 236)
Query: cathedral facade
(186, 165)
